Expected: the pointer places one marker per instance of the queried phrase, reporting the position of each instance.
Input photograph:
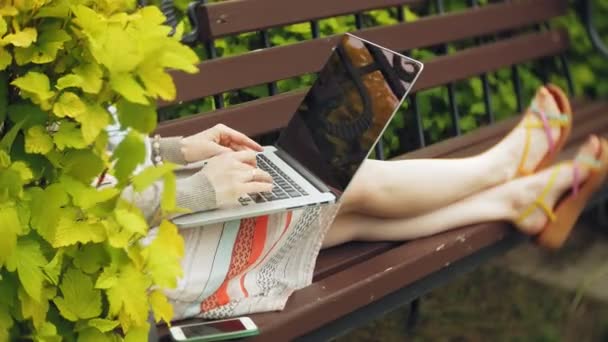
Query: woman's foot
(547, 187)
(529, 143)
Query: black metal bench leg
(414, 316)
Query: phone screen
(212, 328)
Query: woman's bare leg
(406, 188)
(505, 202)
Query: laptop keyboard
(284, 187)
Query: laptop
(332, 132)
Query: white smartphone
(215, 331)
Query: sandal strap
(586, 161)
(547, 121)
(540, 203)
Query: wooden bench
(357, 282)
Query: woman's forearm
(194, 193)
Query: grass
(493, 304)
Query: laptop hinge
(303, 171)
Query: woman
(253, 265)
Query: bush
(71, 262)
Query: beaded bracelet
(157, 159)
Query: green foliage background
(589, 70)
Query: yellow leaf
(8, 233)
(129, 295)
(36, 86)
(45, 49)
(164, 255)
(22, 38)
(69, 135)
(88, 77)
(3, 27)
(131, 221)
(8, 11)
(23, 170)
(5, 59)
(72, 229)
(157, 81)
(126, 85)
(94, 120)
(69, 104)
(37, 140)
(161, 307)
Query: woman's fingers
(236, 138)
(253, 187)
(251, 174)
(247, 157)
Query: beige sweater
(194, 191)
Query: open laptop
(343, 115)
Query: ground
(527, 295)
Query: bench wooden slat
(267, 65)
(273, 113)
(231, 17)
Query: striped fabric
(249, 265)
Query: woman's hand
(234, 174)
(215, 141)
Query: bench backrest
(501, 34)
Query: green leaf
(79, 299)
(7, 141)
(58, 9)
(126, 85)
(23, 38)
(131, 221)
(69, 135)
(6, 323)
(36, 310)
(128, 295)
(28, 261)
(150, 175)
(3, 91)
(164, 255)
(8, 233)
(37, 140)
(129, 153)
(33, 115)
(53, 268)
(140, 117)
(45, 209)
(83, 165)
(103, 325)
(72, 228)
(5, 59)
(91, 257)
(70, 105)
(94, 335)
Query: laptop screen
(346, 110)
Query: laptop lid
(348, 107)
